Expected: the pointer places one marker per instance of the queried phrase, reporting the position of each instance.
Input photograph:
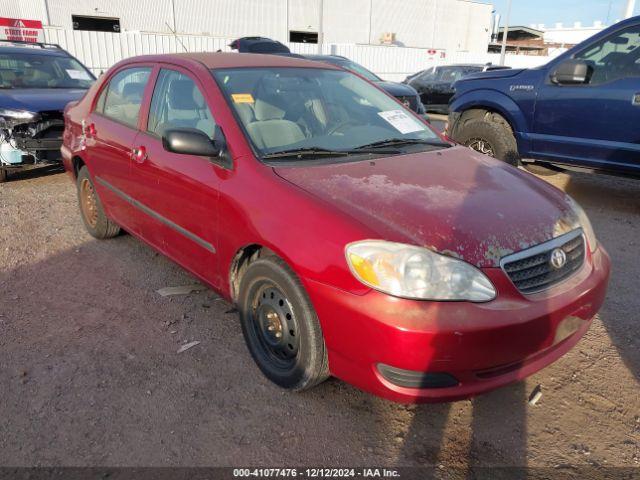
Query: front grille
(412, 101)
(532, 270)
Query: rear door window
(121, 99)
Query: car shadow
(613, 205)
(36, 172)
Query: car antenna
(175, 35)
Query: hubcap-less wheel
(88, 202)
(480, 145)
(275, 326)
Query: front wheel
(280, 326)
(490, 138)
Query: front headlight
(12, 117)
(413, 272)
(584, 222)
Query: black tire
(297, 360)
(542, 170)
(497, 138)
(4, 175)
(96, 222)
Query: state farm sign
(18, 29)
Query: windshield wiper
(319, 151)
(392, 142)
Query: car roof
(465, 65)
(218, 60)
(32, 51)
(335, 58)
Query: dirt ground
(90, 374)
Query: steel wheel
(88, 202)
(481, 145)
(274, 326)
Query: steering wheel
(341, 125)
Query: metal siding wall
(346, 21)
(149, 15)
(444, 24)
(455, 25)
(233, 18)
(100, 50)
(30, 9)
(304, 15)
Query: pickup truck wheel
(93, 216)
(280, 326)
(489, 138)
(4, 175)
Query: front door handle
(139, 154)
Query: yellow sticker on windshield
(242, 97)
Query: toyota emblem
(558, 258)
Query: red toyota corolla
(354, 240)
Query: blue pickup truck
(580, 111)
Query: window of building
(303, 37)
(96, 24)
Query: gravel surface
(90, 372)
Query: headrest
(181, 95)
(198, 98)
(133, 91)
(245, 112)
(267, 111)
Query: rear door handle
(139, 154)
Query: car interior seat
(270, 129)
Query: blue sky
(525, 12)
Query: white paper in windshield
(78, 74)
(401, 121)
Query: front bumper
(482, 345)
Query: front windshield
(311, 108)
(30, 70)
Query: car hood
(504, 73)
(39, 99)
(397, 89)
(453, 201)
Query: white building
(569, 35)
(450, 25)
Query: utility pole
(320, 26)
(628, 12)
(505, 33)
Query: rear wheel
(93, 216)
(280, 326)
(490, 138)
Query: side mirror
(189, 141)
(572, 72)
